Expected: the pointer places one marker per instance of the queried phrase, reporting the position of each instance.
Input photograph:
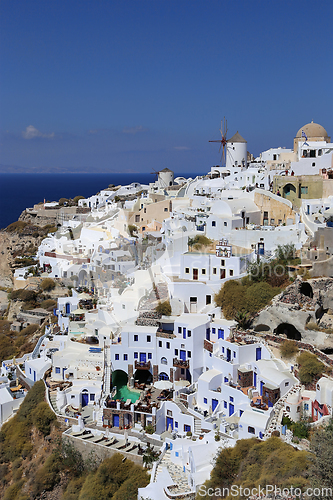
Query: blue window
(241, 412)
(187, 428)
(207, 333)
(135, 355)
(136, 338)
(176, 452)
(225, 404)
(168, 345)
(30, 370)
(306, 406)
(231, 399)
(213, 330)
(189, 333)
(234, 354)
(226, 380)
(57, 369)
(205, 401)
(125, 357)
(176, 352)
(220, 333)
(116, 357)
(179, 329)
(176, 425)
(149, 355)
(222, 349)
(184, 333)
(92, 397)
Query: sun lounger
(110, 442)
(128, 402)
(88, 436)
(97, 439)
(77, 434)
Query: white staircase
(197, 421)
(107, 373)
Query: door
(68, 308)
(228, 355)
(254, 379)
(182, 355)
(231, 409)
(258, 353)
(142, 357)
(169, 422)
(261, 248)
(85, 399)
(115, 420)
(220, 333)
(208, 334)
(195, 274)
(214, 404)
(261, 387)
(184, 333)
(222, 274)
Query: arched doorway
(84, 397)
(119, 378)
(306, 289)
(289, 191)
(143, 377)
(289, 330)
(163, 376)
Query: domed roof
(312, 130)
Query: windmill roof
(165, 170)
(237, 138)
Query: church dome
(312, 130)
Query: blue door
(34, 376)
(85, 399)
(258, 353)
(220, 333)
(115, 420)
(228, 355)
(214, 404)
(68, 308)
(208, 333)
(183, 355)
(254, 379)
(169, 422)
(184, 333)
(261, 387)
(270, 405)
(142, 357)
(231, 409)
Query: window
(225, 404)
(187, 428)
(205, 401)
(116, 357)
(288, 408)
(251, 430)
(306, 406)
(234, 353)
(214, 270)
(169, 413)
(304, 190)
(189, 333)
(208, 299)
(165, 209)
(231, 399)
(136, 338)
(225, 223)
(57, 370)
(135, 355)
(203, 271)
(92, 397)
(222, 262)
(231, 272)
(213, 330)
(144, 210)
(148, 338)
(160, 343)
(125, 357)
(149, 355)
(187, 270)
(168, 345)
(220, 334)
(164, 361)
(226, 380)
(188, 354)
(179, 329)
(213, 223)
(73, 396)
(176, 352)
(137, 218)
(286, 384)
(176, 425)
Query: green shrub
(288, 349)
(42, 417)
(132, 229)
(47, 476)
(77, 198)
(310, 367)
(48, 304)
(29, 330)
(149, 429)
(164, 308)
(17, 226)
(47, 284)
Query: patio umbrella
(163, 384)
(126, 436)
(170, 428)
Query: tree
(77, 198)
(164, 308)
(132, 229)
(310, 367)
(321, 471)
(47, 284)
(62, 201)
(288, 349)
(42, 417)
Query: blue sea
(19, 191)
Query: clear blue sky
(135, 85)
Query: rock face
(302, 303)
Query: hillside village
(138, 352)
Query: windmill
(155, 172)
(223, 141)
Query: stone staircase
(176, 472)
(278, 411)
(197, 421)
(53, 401)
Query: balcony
(142, 365)
(181, 363)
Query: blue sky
(135, 85)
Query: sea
(20, 191)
